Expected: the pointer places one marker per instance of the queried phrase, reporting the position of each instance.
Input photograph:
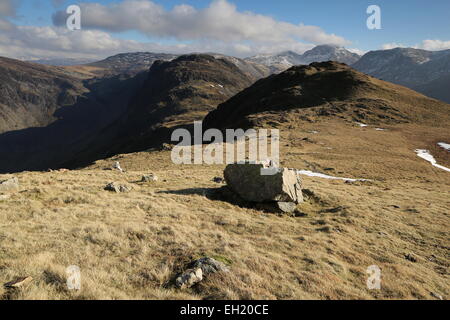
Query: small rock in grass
(189, 278)
(437, 296)
(218, 180)
(116, 166)
(149, 178)
(118, 188)
(411, 257)
(18, 282)
(210, 265)
(200, 268)
(9, 185)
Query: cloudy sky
(33, 29)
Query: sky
(36, 29)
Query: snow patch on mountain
(287, 59)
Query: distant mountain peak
(425, 71)
(284, 60)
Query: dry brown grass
(131, 245)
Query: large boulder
(10, 185)
(258, 183)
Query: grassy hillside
(132, 245)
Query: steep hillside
(418, 69)
(49, 113)
(438, 89)
(30, 94)
(129, 63)
(328, 89)
(176, 93)
(94, 113)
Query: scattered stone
(19, 282)
(166, 147)
(199, 269)
(116, 166)
(118, 188)
(283, 185)
(9, 185)
(218, 180)
(4, 197)
(278, 207)
(189, 278)
(411, 257)
(210, 266)
(326, 229)
(149, 178)
(335, 210)
(436, 295)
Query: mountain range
(282, 61)
(105, 194)
(133, 101)
(424, 71)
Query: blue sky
(404, 22)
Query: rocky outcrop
(9, 185)
(421, 70)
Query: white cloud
(218, 28)
(431, 45)
(28, 42)
(392, 45)
(434, 45)
(221, 21)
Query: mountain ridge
(284, 60)
(417, 69)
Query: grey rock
(210, 266)
(279, 185)
(437, 296)
(218, 180)
(118, 188)
(189, 278)
(278, 207)
(9, 185)
(411, 257)
(200, 268)
(149, 178)
(117, 166)
(286, 207)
